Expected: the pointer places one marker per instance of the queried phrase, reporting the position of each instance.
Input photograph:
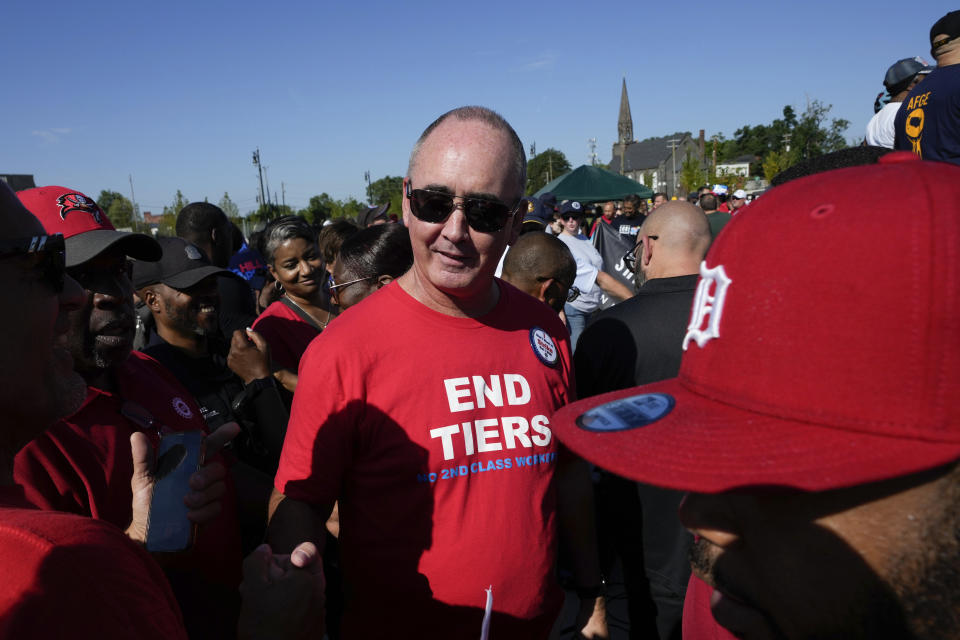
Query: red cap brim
(707, 446)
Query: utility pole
(672, 145)
(533, 148)
(366, 176)
(786, 141)
(550, 168)
(592, 143)
(283, 192)
(133, 199)
(256, 163)
(266, 179)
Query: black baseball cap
(182, 266)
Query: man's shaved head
(681, 226)
(536, 257)
(677, 236)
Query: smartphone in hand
(178, 457)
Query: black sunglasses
(482, 215)
(573, 292)
(47, 252)
(630, 257)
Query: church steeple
(625, 122)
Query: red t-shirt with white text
(434, 434)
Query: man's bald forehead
(490, 118)
(15, 220)
(673, 212)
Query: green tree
(814, 136)
(272, 211)
(544, 167)
(179, 202)
(386, 189)
(692, 173)
(350, 208)
(168, 224)
(229, 206)
(319, 208)
(806, 136)
(648, 179)
(777, 161)
(118, 208)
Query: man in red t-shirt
(83, 463)
(71, 576)
(437, 444)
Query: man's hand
(207, 485)
(283, 595)
(592, 619)
(249, 359)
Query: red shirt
(83, 463)
(66, 576)
(602, 219)
(286, 333)
(438, 445)
(698, 621)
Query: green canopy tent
(593, 184)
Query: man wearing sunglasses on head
(437, 442)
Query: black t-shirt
(215, 387)
(628, 227)
(928, 123)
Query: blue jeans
(576, 320)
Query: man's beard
(918, 599)
(927, 579)
(184, 321)
(640, 277)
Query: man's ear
(542, 289)
(405, 202)
(384, 280)
(151, 299)
(516, 223)
(646, 254)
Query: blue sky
(179, 94)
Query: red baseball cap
(86, 229)
(823, 349)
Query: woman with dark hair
(368, 260)
(303, 310)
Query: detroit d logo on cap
(707, 306)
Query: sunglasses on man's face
(47, 254)
(483, 215)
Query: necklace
(322, 325)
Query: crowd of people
(451, 424)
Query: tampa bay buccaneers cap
(86, 229)
(823, 348)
